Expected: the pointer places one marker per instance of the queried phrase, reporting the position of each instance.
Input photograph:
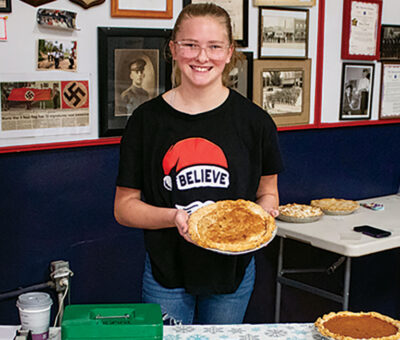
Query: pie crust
(350, 326)
(299, 211)
(230, 225)
(336, 206)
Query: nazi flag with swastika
(75, 94)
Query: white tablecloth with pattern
(288, 331)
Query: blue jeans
(183, 308)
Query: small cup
(34, 313)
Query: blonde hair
(213, 11)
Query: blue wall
(58, 205)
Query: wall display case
(132, 69)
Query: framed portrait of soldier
(132, 70)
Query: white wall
(18, 54)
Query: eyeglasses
(192, 50)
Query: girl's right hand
(181, 222)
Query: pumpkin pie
(364, 325)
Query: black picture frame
(283, 37)
(117, 48)
(243, 40)
(390, 43)
(241, 77)
(6, 8)
(356, 98)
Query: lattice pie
(336, 205)
(299, 210)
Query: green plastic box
(112, 321)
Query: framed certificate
(390, 95)
(238, 10)
(361, 29)
(300, 3)
(161, 9)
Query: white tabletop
(335, 233)
(215, 332)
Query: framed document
(301, 3)
(5, 6)
(390, 91)
(132, 70)
(390, 42)
(238, 10)
(161, 9)
(282, 33)
(361, 29)
(356, 94)
(282, 88)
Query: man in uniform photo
(135, 95)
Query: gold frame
(300, 3)
(284, 119)
(127, 13)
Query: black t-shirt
(184, 161)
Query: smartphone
(372, 231)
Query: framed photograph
(390, 42)
(160, 9)
(5, 6)
(356, 94)
(300, 3)
(361, 29)
(132, 69)
(282, 88)
(57, 55)
(390, 95)
(56, 19)
(241, 77)
(238, 10)
(282, 33)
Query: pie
(294, 212)
(336, 205)
(231, 226)
(349, 326)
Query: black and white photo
(283, 33)
(356, 96)
(133, 68)
(390, 42)
(241, 76)
(282, 88)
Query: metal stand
(282, 280)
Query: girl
(197, 143)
